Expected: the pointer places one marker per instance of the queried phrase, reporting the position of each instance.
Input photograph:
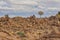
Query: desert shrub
(21, 34)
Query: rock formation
(30, 28)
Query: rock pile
(31, 28)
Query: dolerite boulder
(30, 28)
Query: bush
(21, 34)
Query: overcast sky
(29, 7)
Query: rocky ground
(30, 28)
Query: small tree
(40, 13)
(59, 13)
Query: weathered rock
(34, 28)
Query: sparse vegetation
(21, 34)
